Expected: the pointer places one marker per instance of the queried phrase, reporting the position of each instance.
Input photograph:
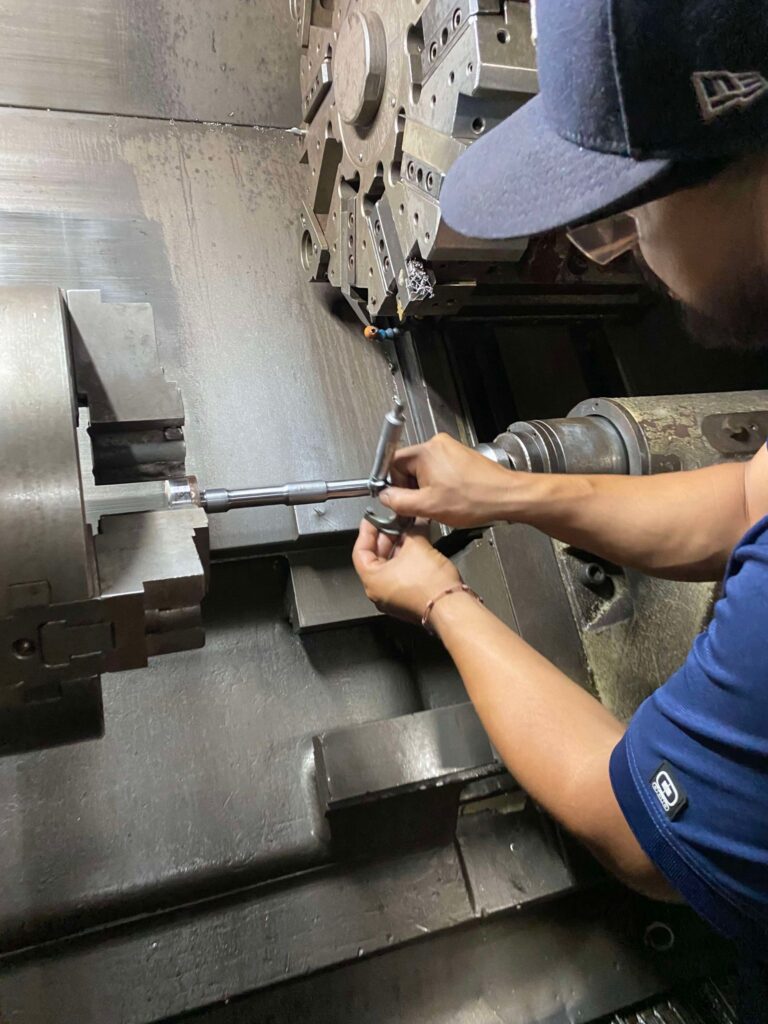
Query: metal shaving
(419, 284)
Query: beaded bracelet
(456, 589)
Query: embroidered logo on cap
(669, 792)
(719, 92)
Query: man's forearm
(555, 738)
(674, 525)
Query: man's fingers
(404, 500)
(365, 552)
(385, 545)
(416, 539)
(401, 479)
(406, 460)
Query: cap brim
(523, 179)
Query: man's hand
(401, 575)
(448, 482)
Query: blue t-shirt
(691, 773)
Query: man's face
(709, 247)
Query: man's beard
(737, 317)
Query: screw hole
(503, 35)
(659, 937)
(478, 125)
(24, 648)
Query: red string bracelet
(456, 589)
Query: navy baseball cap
(637, 99)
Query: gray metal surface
(671, 431)
(510, 857)
(379, 756)
(135, 415)
(197, 219)
(231, 946)
(204, 779)
(396, 784)
(214, 60)
(559, 964)
(73, 607)
(570, 959)
(46, 554)
(325, 591)
(527, 564)
(44, 539)
(585, 444)
(392, 96)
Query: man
(657, 109)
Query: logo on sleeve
(669, 792)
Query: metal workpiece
(73, 604)
(136, 416)
(44, 542)
(151, 580)
(46, 555)
(392, 96)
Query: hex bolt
(592, 575)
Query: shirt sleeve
(691, 773)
